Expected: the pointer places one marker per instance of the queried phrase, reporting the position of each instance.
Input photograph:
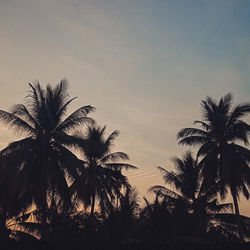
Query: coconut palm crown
(188, 183)
(190, 196)
(100, 175)
(40, 165)
(220, 140)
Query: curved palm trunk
(237, 214)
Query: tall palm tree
(100, 174)
(190, 197)
(222, 159)
(40, 165)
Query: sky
(144, 64)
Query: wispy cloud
(145, 65)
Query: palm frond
(207, 148)
(35, 99)
(17, 146)
(57, 100)
(24, 217)
(63, 109)
(120, 166)
(193, 140)
(225, 103)
(243, 152)
(209, 108)
(111, 138)
(239, 111)
(239, 130)
(206, 126)
(68, 161)
(114, 157)
(21, 110)
(77, 118)
(13, 121)
(164, 192)
(215, 207)
(32, 227)
(186, 132)
(171, 178)
(225, 207)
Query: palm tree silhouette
(156, 221)
(100, 174)
(191, 198)
(40, 164)
(223, 159)
(121, 220)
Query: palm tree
(156, 223)
(191, 197)
(40, 165)
(121, 220)
(224, 160)
(100, 174)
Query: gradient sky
(144, 64)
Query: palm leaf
(35, 99)
(114, 157)
(193, 140)
(225, 103)
(171, 177)
(190, 132)
(111, 138)
(239, 130)
(21, 110)
(165, 192)
(239, 111)
(119, 166)
(16, 123)
(203, 124)
(76, 118)
(225, 207)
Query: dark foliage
(50, 199)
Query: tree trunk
(4, 232)
(93, 204)
(237, 214)
(43, 208)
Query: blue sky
(145, 65)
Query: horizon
(144, 65)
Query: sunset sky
(144, 64)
